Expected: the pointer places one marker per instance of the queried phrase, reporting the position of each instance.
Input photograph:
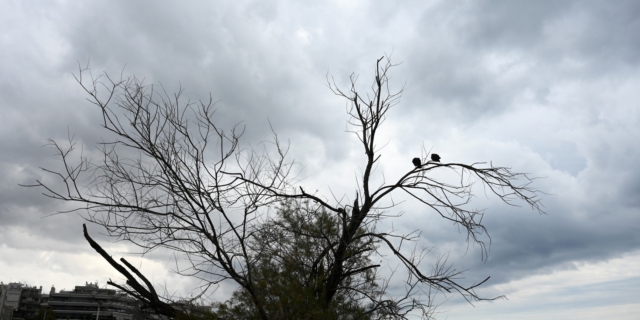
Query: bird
(416, 162)
(435, 157)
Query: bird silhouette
(416, 162)
(435, 157)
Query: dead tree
(367, 113)
(448, 200)
(160, 183)
(171, 178)
(146, 294)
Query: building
(30, 299)
(8, 300)
(90, 302)
(19, 301)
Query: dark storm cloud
(246, 61)
(548, 37)
(525, 244)
(546, 87)
(454, 44)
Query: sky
(544, 87)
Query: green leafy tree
(45, 313)
(291, 269)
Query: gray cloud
(546, 87)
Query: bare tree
(173, 179)
(367, 113)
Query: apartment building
(90, 302)
(19, 301)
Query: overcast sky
(545, 87)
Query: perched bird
(435, 157)
(416, 162)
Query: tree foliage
(290, 269)
(45, 313)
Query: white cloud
(601, 290)
(303, 35)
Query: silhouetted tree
(45, 313)
(160, 185)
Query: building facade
(90, 302)
(19, 301)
